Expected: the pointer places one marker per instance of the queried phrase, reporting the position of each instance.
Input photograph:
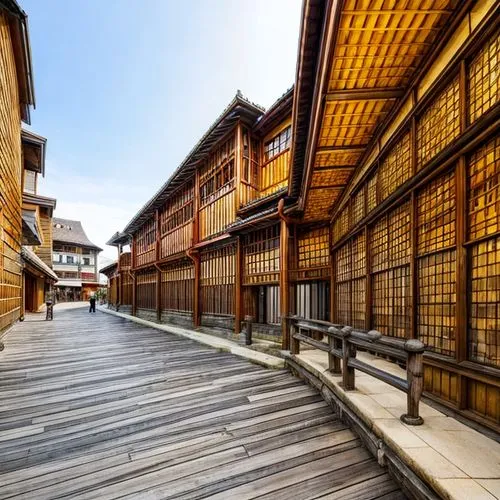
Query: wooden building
(396, 150)
(75, 260)
(16, 97)
(36, 253)
(367, 196)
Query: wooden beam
(375, 94)
(340, 149)
(328, 186)
(389, 12)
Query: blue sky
(125, 88)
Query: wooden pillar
(196, 291)
(118, 279)
(158, 270)
(368, 295)
(413, 333)
(238, 158)
(134, 294)
(284, 283)
(238, 296)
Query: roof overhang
(36, 265)
(71, 283)
(238, 109)
(34, 147)
(18, 22)
(41, 201)
(109, 268)
(119, 239)
(355, 69)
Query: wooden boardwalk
(94, 406)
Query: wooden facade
(16, 95)
(366, 196)
(397, 151)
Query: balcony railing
(343, 342)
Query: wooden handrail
(343, 342)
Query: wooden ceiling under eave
(376, 48)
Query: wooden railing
(343, 342)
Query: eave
(238, 109)
(357, 88)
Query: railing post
(294, 343)
(333, 362)
(414, 375)
(348, 351)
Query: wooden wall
(177, 286)
(417, 247)
(44, 251)
(261, 256)
(10, 183)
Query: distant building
(75, 261)
(36, 252)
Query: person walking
(92, 303)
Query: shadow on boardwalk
(94, 406)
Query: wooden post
(294, 343)
(333, 362)
(284, 284)
(134, 293)
(348, 352)
(158, 270)
(415, 377)
(238, 309)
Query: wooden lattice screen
(313, 255)
(176, 232)
(484, 222)
(217, 280)
(146, 290)
(177, 287)
(261, 257)
(126, 283)
(439, 124)
(145, 243)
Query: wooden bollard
(348, 352)
(415, 377)
(294, 343)
(248, 330)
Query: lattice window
(484, 190)
(484, 86)
(358, 206)
(177, 281)
(439, 125)
(359, 256)
(436, 215)
(217, 174)
(341, 224)
(146, 237)
(278, 144)
(343, 262)
(484, 314)
(437, 302)
(261, 255)
(379, 245)
(395, 170)
(371, 193)
(399, 235)
(249, 169)
(343, 303)
(313, 248)
(177, 211)
(358, 287)
(381, 308)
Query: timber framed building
(378, 208)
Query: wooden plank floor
(94, 406)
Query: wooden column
(284, 283)
(196, 291)
(368, 295)
(118, 279)
(158, 271)
(238, 158)
(238, 302)
(132, 273)
(413, 333)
